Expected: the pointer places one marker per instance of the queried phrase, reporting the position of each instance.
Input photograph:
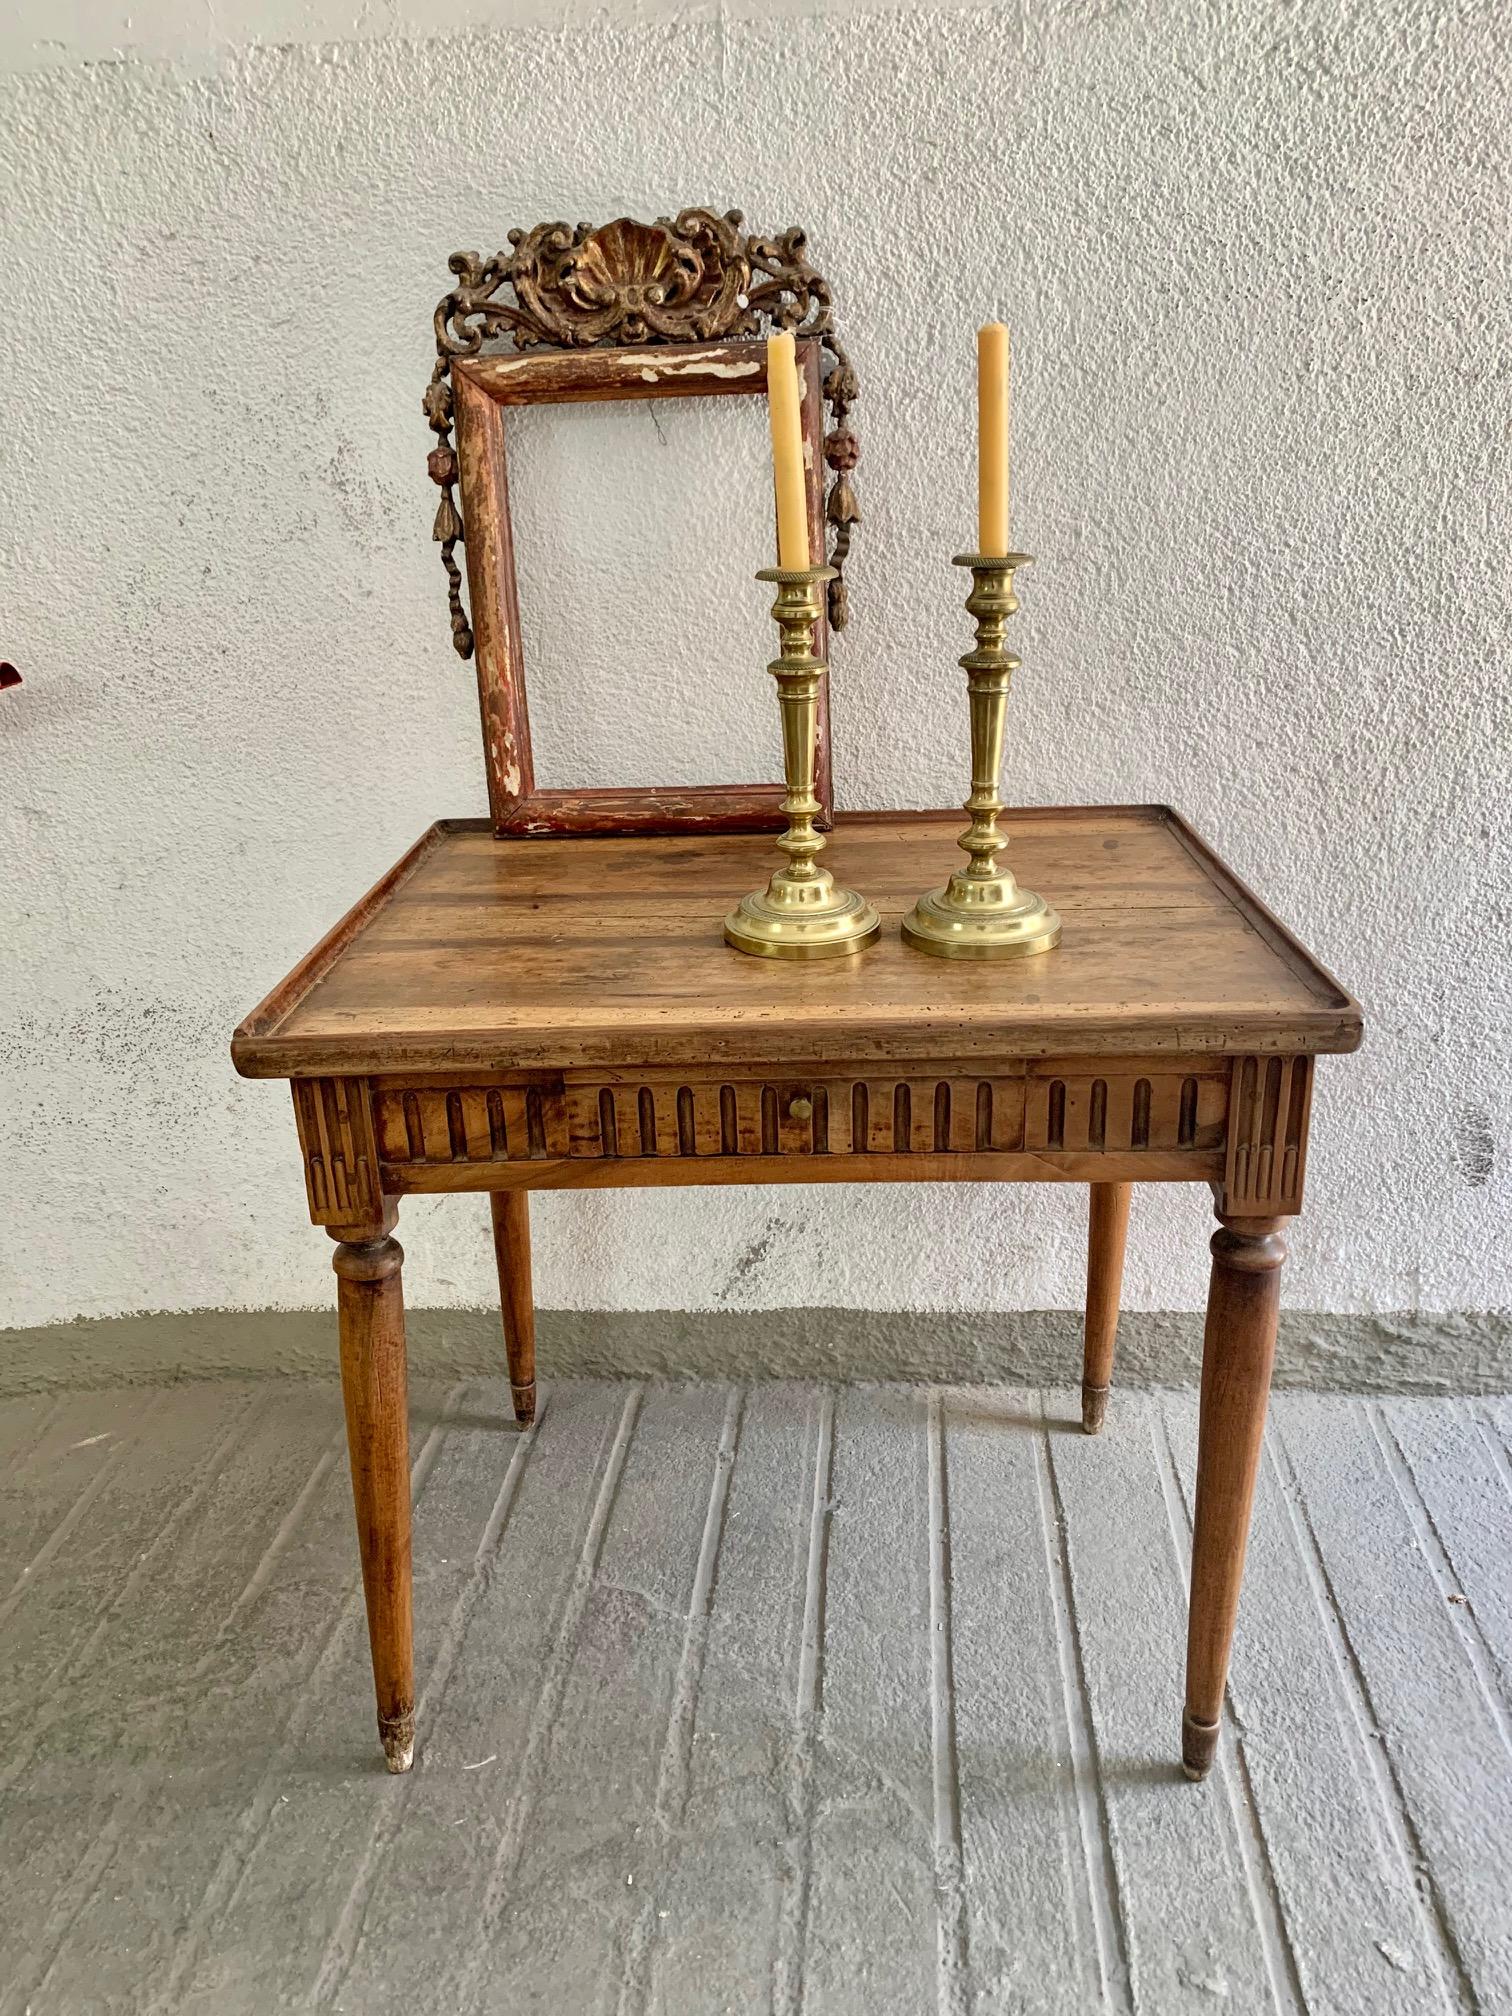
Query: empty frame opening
(638, 529)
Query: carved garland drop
(691, 278)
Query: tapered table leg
(511, 1233)
(1107, 1232)
(1239, 1349)
(374, 1387)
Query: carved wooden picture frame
(482, 389)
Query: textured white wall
(1256, 263)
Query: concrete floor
(782, 1697)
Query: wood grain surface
(481, 954)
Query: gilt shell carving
(696, 277)
(630, 282)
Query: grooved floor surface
(789, 1698)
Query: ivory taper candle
(992, 438)
(787, 452)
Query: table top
(477, 953)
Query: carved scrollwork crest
(695, 277)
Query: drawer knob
(800, 1108)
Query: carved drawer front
(1044, 1109)
(472, 1123)
(1045, 1112)
(796, 1115)
(1082, 1112)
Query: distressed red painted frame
(482, 387)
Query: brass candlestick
(982, 913)
(800, 914)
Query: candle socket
(801, 913)
(981, 913)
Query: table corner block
(1265, 1161)
(334, 1117)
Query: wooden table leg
(374, 1387)
(1107, 1232)
(1238, 1351)
(511, 1233)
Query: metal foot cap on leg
(524, 1403)
(398, 1737)
(1094, 1408)
(1199, 1744)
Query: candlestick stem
(981, 913)
(802, 913)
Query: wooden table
(537, 1014)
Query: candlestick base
(802, 920)
(989, 918)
